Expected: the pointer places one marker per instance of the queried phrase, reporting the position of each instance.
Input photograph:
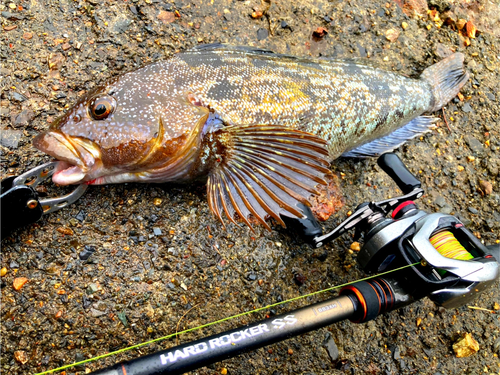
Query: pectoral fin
(264, 171)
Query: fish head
(122, 132)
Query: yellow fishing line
(217, 322)
(448, 246)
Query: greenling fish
(259, 126)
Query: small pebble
(262, 33)
(486, 187)
(56, 61)
(92, 288)
(404, 25)
(465, 346)
(355, 246)
(331, 347)
(471, 30)
(65, 230)
(397, 353)
(18, 97)
(320, 32)
(473, 210)
(80, 216)
(3, 271)
(258, 14)
(460, 23)
(27, 36)
(290, 351)
(299, 279)
(19, 282)
(466, 108)
(21, 356)
(392, 35)
(157, 201)
(223, 371)
(123, 318)
(87, 251)
(10, 138)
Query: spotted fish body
(343, 102)
(261, 127)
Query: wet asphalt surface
(131, 262)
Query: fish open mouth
(76, 156)
(66, 174)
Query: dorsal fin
(230, 48)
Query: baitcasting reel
(454, 266)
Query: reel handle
(306, 227)
(394, 167)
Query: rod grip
(394, 167)
(375, 297)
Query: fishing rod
(432, 255)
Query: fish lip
(74, 155)
(66, 174)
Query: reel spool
(448, 246)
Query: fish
(260, 128)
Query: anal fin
(414, 128)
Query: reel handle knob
(306, 227)
(394, 167)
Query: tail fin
(446, 79)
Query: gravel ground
(131, 262)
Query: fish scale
(260, 128)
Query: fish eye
(102, 107)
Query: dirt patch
(126, 262)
